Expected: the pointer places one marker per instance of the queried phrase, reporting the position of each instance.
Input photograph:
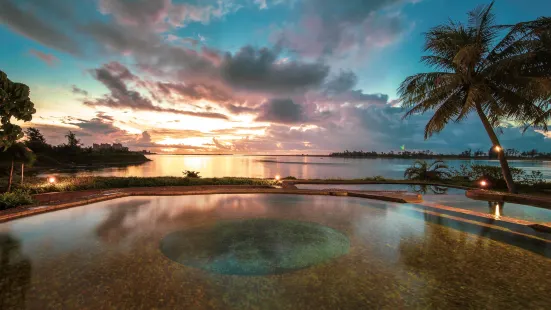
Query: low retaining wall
(486, 195)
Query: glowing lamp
(277, 177)
(51, 180)
(498, 148)
(483, 183)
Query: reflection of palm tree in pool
(431, 189)
(15, 274)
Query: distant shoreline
(444, 157)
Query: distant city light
(277, 177)
(497, 148)
(51, 180)
(483, 183)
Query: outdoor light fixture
(497, 148)
(51, 180)
(277, 177)
(483, 183)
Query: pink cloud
(49, 59)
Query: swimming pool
(448, 196)
(242, 251)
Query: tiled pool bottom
(108, 255)
(450, 197)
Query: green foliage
(421, 170)
(191, 174)
(501, 73)
(14, 102)
(534, 178)
(72, 141)
(491, 173)
(15, 199)
(289, 178)
(63, 184)
(19, 153)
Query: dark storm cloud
(344, 81)
(257, 70)
(283, 111)
(18, 16)
(99, 125)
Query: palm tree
(508, 80)
(421, 170)
(18, 152)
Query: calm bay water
(297, 166)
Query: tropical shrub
(534, 178)
(65, 184)
(15, 199)
(191, 174)
(421, 170)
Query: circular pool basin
(265, 251)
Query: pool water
(448, 196)
(260, 251)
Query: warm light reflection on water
(497, 213)
(311, 167)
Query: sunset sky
(240, 76)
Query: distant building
(117, 146)
(109, 147)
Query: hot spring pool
(261, 251)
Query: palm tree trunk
(22, 172)
(501, 154)
(11, 177)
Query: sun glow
(192, 141)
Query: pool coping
(488, 195)
(292, 183)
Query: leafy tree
(466, 153)
(421, 170)
(478, 153)
(35, 140)
(72, 140)
(34, 135)
(499, 80)
(14, 103)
